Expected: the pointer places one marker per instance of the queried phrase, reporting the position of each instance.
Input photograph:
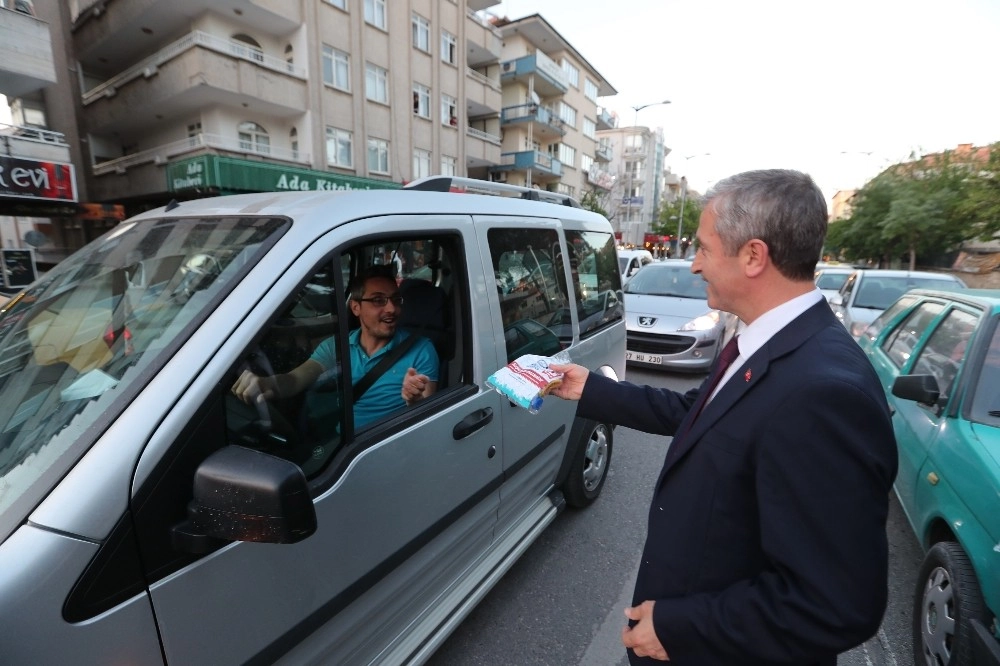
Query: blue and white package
(527, 379)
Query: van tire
(591, 462)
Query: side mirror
(836, 299)
(244, 495)
(920, 388)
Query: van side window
(594, 267)
(531, 286)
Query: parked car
(630, 261)
(670, 324)
(829, 279)
(147, 515)
(938, 355)
(867, 292)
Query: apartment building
(550, 117)
(156, 101)
(638, 155)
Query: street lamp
(635, 122)
(684, 190)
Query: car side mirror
(241, 494)
(836, 299)
(920, 388)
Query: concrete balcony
(482, 149)
(544, 168)
(605, 120)
(33, 144)
(482, 95)
(603, 152)
(110, 34)
(546, 124)
(25, 54)
(483, 41)
(196, 71)
(539, 70)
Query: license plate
(639, 357)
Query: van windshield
(78, 345)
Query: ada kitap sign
(223, 174)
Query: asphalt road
(562, 603)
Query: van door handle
(473, 422)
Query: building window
(590, 90)
(378, 156)
(341, 4)
(339, 148)
(194, 134)
(449, 48)
(571, 72)
(586, 161)
(589, 128)
(566, 155)
(254, 138)
(336, 68)
(375, 13)
(568, 190)
(376, 83)
(567, 114)
(421, 163)
(448, 166)
(421, 100)
(449, 110)
(421, 33)
(634, 142)
(293, 139)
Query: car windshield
(79, 344)
(833, 281)
(666, 280)
(880, 292)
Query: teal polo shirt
(385, 395)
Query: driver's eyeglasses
(382, 301)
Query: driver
(376, 302)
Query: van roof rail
(476, 186)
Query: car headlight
(705, 322)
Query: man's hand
(574, 377)
(642, 638)
(252, 389)
(414, 386)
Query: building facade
(639, 176)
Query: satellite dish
(35, 238)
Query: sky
(838, 89)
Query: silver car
(668, 320)
(868, 292)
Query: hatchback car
(867, 292)
(938, 356)
(669, 322)
(829, 279)
(149, 515)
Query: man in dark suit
(766, 540)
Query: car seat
(426, 312)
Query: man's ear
(755, 255)
(355, 307)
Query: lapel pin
(746, 377)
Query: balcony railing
(532, 159)
(604, 119)
(532, 113)
(33, 134)
(483, 22)
(161, 154)
(482, 78)
(148, 67)
(485, 136)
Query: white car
(668, 321)
(829, 279)
(630, 261)
(868, 292)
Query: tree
(596, 200)
(670, 212)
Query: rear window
(878, 293)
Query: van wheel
(590, 467)
(947, 600)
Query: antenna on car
(476, 186)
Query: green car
(938, 355)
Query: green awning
(230, 175)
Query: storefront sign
(33, 179)
(229, 174)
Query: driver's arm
(252, 388)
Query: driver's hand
(252, 389)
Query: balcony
(605, 120)
(603, 152)
(124, 31)
(539, 70)
(25, 54)
(543, 167)
(546, 124)
(33, 144)
(482, 95)
(483, 41)
(195, 71)
(482, 149)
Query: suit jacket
(766, 539)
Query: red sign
(33, 179)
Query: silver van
(148, 516)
